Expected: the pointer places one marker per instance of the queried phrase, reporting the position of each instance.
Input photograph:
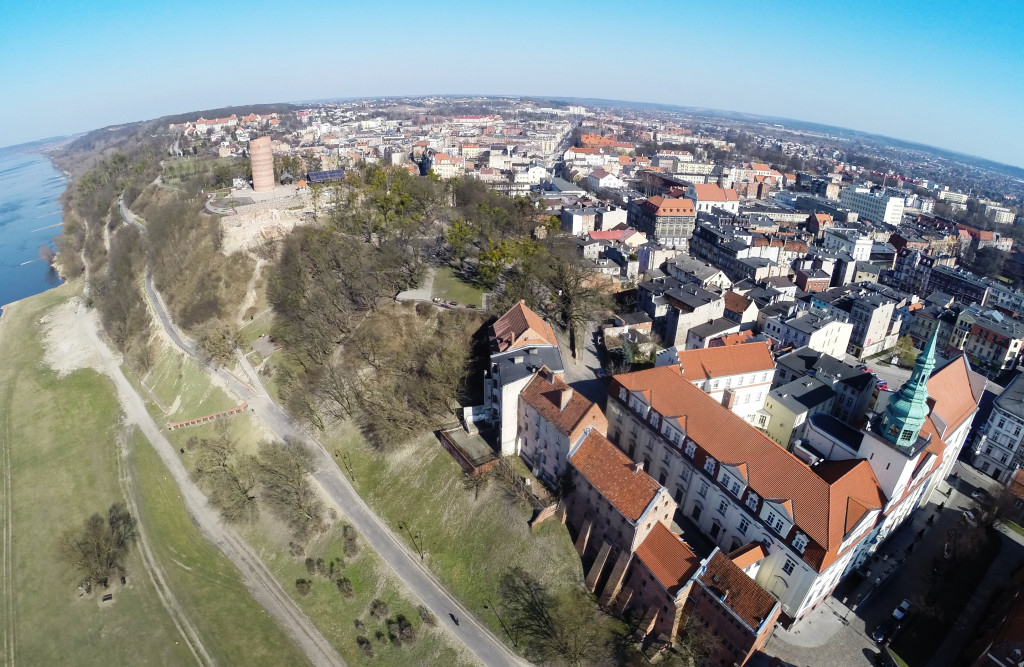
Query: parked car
(900, 612)
(980, 495)
(882, 385)
(884, 633)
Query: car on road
(900, 612)
(882, 385)
(970, 517)
(884, 633)
(980, 495)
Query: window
(654, 419)
(771, 518)
(752, 502)
(722, 507)
(703, 490)
(735, 488)
(800, 542)
(695, 513)
(709, 466)
(789, 566)
(623, 393)
(744, 524)
(1002, 422)
(690, 449)
(726, 481)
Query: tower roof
(908, 408)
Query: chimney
(637, 467)
(564, 398)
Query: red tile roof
(749, 554)
(668, 557)
(736, 302)
(613, 474)
(742, 594)
(716, 362)
(956, 391)
(660, 206)
(712, 192)
(819, 506)
(732, 339)
(545, 393)
(521, 327)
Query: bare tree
(100, 547)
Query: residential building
(873, 206)
(706, 197)
(521, 343)
(787, 408)
(579, 221)
(448, 166)
(703, 335)
(551, 422)
(849, 241)
(670, 222)
(992, 341)
(737, 376)
(998, 450)
(689, 270)
(824, 335)
(962, 285)
(689, 305)
(740, 309)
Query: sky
(944, 73)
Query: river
(30, 218)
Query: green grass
(62, 434)
(468, 543)
(183, 388)
(233, 627)
(335, 614)
(450, 287)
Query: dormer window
(691, 449)
(709, 466)
(800, 542)
(752, 502)
(655, 419)
(623, 393)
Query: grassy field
(60, 435)
(183, 390)
(234, 628)
(335, 615)
(450, 287)
(468, 543)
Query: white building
(824, 335)
(849, 241)
(873, 206)
(448, 166)
(737, 376)
(997, 450)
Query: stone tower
(908, 408)
(261, 158)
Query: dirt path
(86, 341)
(178, 614)
(250, 291)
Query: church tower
(908, 408)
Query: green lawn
(468, 543)
(335, 615)
(233, 627)
(183, 389)
(450, 287)
(61, 435)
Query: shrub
(365, 646)
(303, 586)
(345, 587)
(378, 609)
(310, 565)
(426, 616)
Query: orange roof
(711, 192)
(732, 339)
(715, 362)
(668, 557)
(544, 393)
(747, 555)
(738, 591)
(613, 474)
(1016, 484)
(946, 387)
(819, 506)
(659, 206)
(521, 327)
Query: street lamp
(414, 537)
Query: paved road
(487, 648)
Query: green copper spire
(908, 408)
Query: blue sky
(945, 73)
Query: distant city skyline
(941, 74)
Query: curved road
(480, 641)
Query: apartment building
(991, 340)
(521, 343)
(667, 221)
(854, 388)
(824, 335)
(998, 450)
(787, 408)
(873, 206)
